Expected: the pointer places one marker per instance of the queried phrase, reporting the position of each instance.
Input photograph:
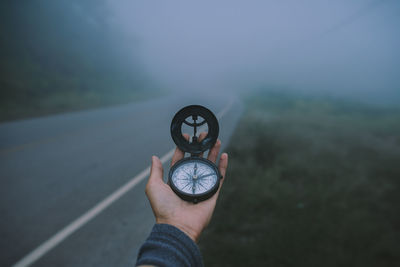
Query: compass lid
(195, 147)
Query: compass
(194, 178)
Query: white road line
(60, 236)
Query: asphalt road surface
(57, 172)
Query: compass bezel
(194, 148)
(195, 198)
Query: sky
(341, 47)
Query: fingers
(213, 154)
(179, 154)
(202, 135)
(156, 171)
(223, 164)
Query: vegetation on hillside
(312, 181)
(64, 55)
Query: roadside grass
(312, 181)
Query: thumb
(156, 172)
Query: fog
(344, 48)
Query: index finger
(223, 164)
(214, 151)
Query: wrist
(194, 235)
(169, 246)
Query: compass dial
(194, 178)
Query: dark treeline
(63, 55)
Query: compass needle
(206, 175)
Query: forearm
(169, 246)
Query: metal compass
(194, 178)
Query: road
(55, 169)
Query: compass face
(194, 179)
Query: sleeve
(169, 246)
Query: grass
(312, 181)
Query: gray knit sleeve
(169, 246)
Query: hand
(168, 208)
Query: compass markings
(186, 185)
(199, 183)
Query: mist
(341, 48)
(88, 90)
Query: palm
(170, 209)
(173, 210)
